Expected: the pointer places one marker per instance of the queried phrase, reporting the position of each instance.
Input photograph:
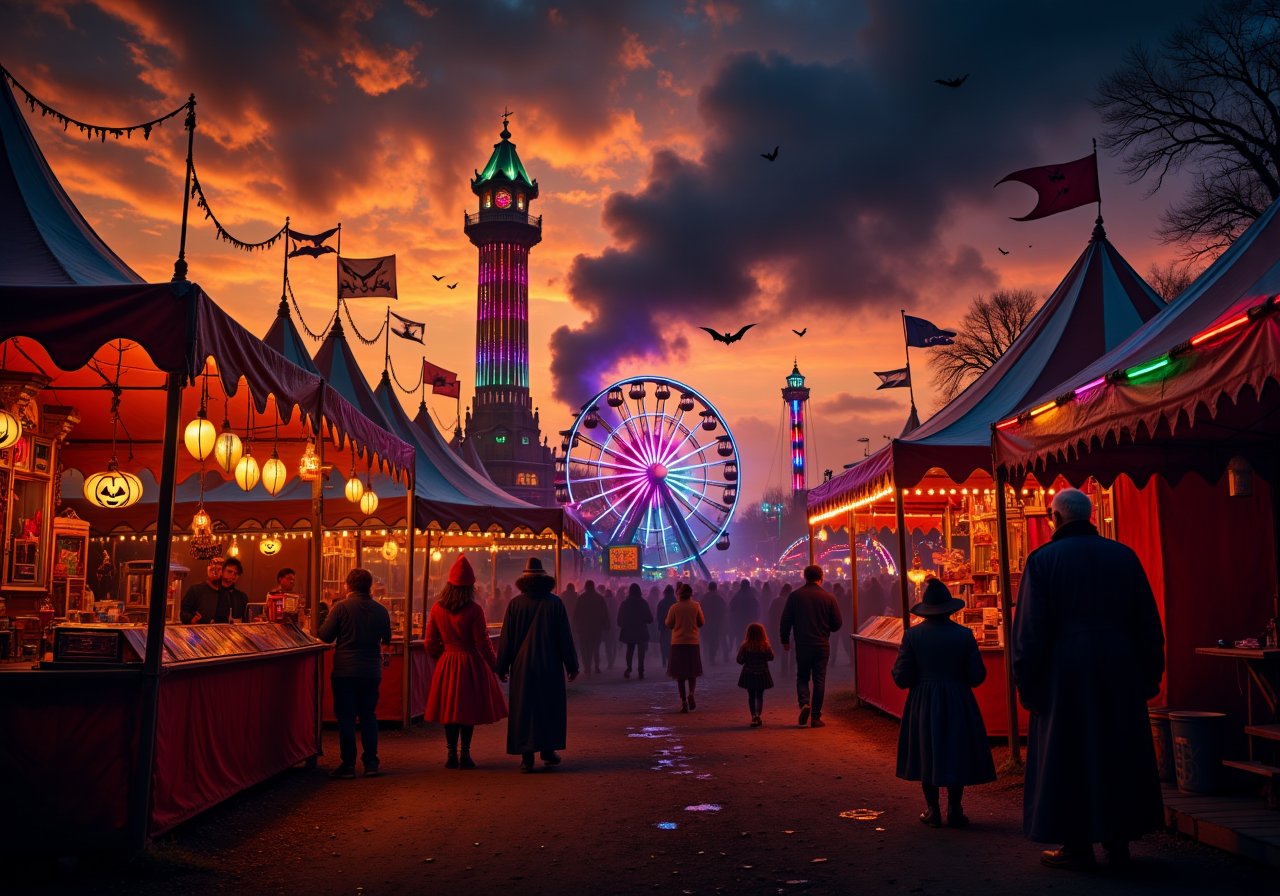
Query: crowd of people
(1088, 652)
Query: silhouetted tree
(988, 328)
(1208, 101)
(1171, 279)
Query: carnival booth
(1184, 418)
(935, 487)
(123, 731)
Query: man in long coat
(590, 623)
(536, 650)
(1088, 653)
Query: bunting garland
(418, 385)
(297, 310)
(198, 195)
(89, 130)
(359, 335)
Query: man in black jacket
(360, 626)
(813, 614)
(218, 599)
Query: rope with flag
(90, 130)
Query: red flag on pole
(1061, 187)
(443, 382)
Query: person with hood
(536, 652)
(942, 741)
(464, 691)
(634, 619)
(590, 623)
(1088, 653)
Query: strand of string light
(197, 193)
(457, 424)
(416, 386)
(298, 310)
(89, 130)
(359, 335)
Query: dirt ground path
(647, 800)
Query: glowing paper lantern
(200, 436)
(270, 546)
(247, 473)
(275, 475)
(10, 429)
(112, 489)
(354, 490)
(368, 502)
(390, 550)
(228, 449)
(309, 464)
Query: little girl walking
(754, 657)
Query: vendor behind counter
(217, 599)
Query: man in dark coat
(813, 614)
(360, 626)
(536, 650)
(1088, 653)
(590, 622)
(218, 599)
(715, 632)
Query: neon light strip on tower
(797, 445)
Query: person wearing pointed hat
(942, 741)
(464, 690)
(537, 652)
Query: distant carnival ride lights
(649, 461)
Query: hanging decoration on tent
(270, 546)
(197, 193)
(113, 489)
(203, 546)
(275, 475)
(298, 311)
(309, 463)
(90, 130)
(369, 500)
(390, 550)
(355, 488)
(228, 449)
(317, 241)
(10, 429)
(200, 434)
(247, 472)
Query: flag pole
(337, 277)
(906, 350)
(284, 280)
(386, 340)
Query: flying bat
(770, 155)
(728, 338)
(801, 332)
(452, 286)
(1002, 251)
(437, 277)
(951, 82)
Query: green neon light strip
(1146, 368)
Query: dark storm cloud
(875, 160)
(843, 404)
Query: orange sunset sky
(644, 125)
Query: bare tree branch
(987, 330)
(1171, 279)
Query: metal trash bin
(1197, 749)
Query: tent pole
(900, 514)
(407, 681)
(140, 786)
(559, 548)
(315, 577)
(853, 594)
(1006, 612)
(811, 548)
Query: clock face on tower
(502, 199)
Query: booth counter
(237, 705)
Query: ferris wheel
(649, 461)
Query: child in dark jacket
(754, 657)
(942, 741)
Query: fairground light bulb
(199, 436)
(228, 450)
(247, 473)
(275, 475)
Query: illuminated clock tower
(796, 396)
(504, 424)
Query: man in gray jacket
(812, 614)
(360, 626)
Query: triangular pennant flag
(893, 379)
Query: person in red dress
(464, 689)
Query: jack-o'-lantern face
(270, 546)
(113, 489)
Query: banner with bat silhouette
(317, 245)
(442, 382)
(1060, 187)
(367, 278)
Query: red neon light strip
(1230, 325)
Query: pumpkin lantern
(390, 549)
(10, 429)
(270, 546)
(113, 488)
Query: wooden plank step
(1253, 767)
(1269, 732)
